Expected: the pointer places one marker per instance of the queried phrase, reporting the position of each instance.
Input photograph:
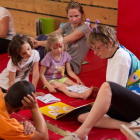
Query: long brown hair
(75, 5)
(15, 47)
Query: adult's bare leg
(104, 122)
(99, 109)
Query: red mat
(91, 74)
(128, 25)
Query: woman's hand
(52, 89)
(28, 127)
(35, 42)
(79, 82)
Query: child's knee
(62, 86)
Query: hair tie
(87, 20)
(21, 35)
(97, 21)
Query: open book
(59, 109)
(77, 88)
(48, 98)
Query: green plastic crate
(47, 25)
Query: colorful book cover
(58, 109)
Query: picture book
(48, 98)
(59, 109)
(77, 88)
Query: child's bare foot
(87, 93)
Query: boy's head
(16, 93)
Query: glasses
(97, 49)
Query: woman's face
(75, 17)
(101, 50)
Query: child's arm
(35, 78)
(45, 82)
(11, 78)
(72, 74)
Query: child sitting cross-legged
(52, 72)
